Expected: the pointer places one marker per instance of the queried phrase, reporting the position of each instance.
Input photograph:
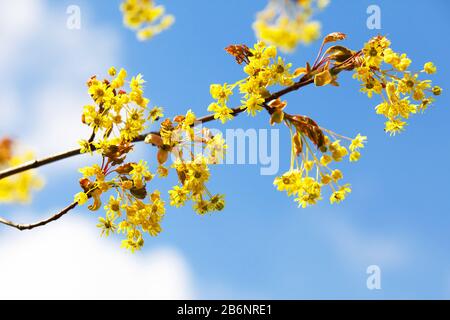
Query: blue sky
(262, 245)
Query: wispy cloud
(357, 246)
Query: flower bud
(437, 91)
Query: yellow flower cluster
(310, 169)
(193, 151)
(193, 175)
(128, 181)
(286, 23)
(384, 72)
(117, 118)
(17, 188)
(146, 17)
(263, 68)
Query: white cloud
(357, 247)
(9, 106)
(68, 260)
(56, 122)
(18, 20)
(47, 66)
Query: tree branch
(304, 81)
(55, 217)
(74, 152)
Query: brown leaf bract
(240, 51)
(309, 128)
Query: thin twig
(55, 217)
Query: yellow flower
(371, 86)
(134, 240)
(178, 196)
(100, 92)
(288, 182)
(137, 83)
(112, 72)
(81, 198)
(337, 175)
(340, 195)
(308, 165)
(373, 53)
(107, 225)
(113, 206)
(216, 146)
(119, 81)
(217, 203)
(155, 114)
(140, 170)
(325, 179)
(92, 171)
(162, 171)
(358, 142)
(325, 160)
(339, 153)
(148, 18)
(221, 112)
(197, 174)
(309, 192)
(85, 146)
(221, 92)
(201, 207)
(355, 156)
(281, 74)
(394, 126)
(404, 63)
(286, 24)
(253, 104)
(189, 121)
(429, 68)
